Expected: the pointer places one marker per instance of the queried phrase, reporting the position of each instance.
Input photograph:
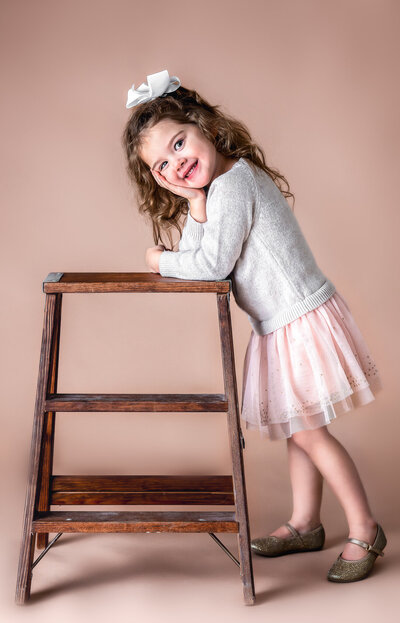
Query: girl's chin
(196, 183)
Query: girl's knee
(306, 439)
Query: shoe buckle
(370, 548)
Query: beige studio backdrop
(317, 85)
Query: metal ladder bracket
(46, 550)
(225, 549)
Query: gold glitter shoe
(276, 546)
(344, 570)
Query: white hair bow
(158, 84)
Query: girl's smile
(182, 154)
(192, 171)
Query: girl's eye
(180, 141)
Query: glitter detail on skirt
(307, 373)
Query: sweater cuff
(194, 229)
(166, 264)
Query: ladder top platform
(129, 282)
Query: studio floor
(187, 577)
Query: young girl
(306, 361)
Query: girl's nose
(180, 164)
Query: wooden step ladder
(45, 489)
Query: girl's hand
(153, 257)
(183, 191)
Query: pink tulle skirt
(305, 374)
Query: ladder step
(135, 521)
(136, 402)
(153, 489)
(129, 282)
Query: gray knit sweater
(252, 237)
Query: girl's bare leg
(306, 481)
(337, 467)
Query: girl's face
(175, 148)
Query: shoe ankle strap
(366, 546)
(293, 530)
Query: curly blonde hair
(229, 136)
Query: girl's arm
(191, 235)
(229, 219)
(193, 231)
(198, 209)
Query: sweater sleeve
(192, 234)
(230, 206)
